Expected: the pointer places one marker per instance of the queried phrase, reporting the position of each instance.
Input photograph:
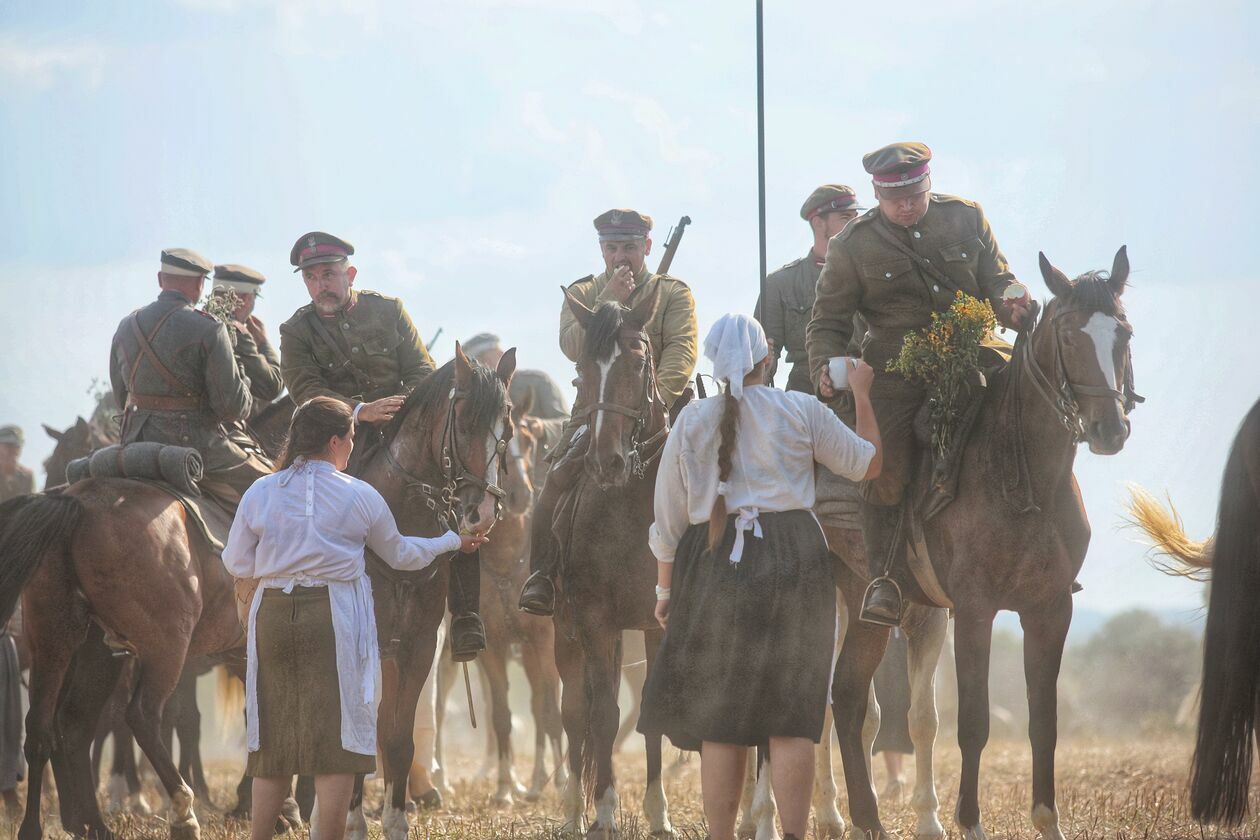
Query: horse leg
(757, 807)
(444, 672)
(87, 691)
(973, 635)
(603, 673)
(829, 822)
(925, 642)
(544, 707)
(1044, 636)
(396, 723)
(494, 666)
(574, 711)
(490, 758)
(155, 682)
(188, 730)
(852, 697)
(655, 803)
(134, 800)
(356, 823)
(635, 676)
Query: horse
(438, 468)
(1230, 696)
(607, 571)
(1015, 536)
(504, 567)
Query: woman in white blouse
(745, 585)
(313, 661)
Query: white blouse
(781, 435)
(307, 526)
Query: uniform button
(936, 287)
(964, 256)
(184, 438)
(918, 235)
(354, 349)
(888, 274)
(344, 325)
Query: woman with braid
(744, 586)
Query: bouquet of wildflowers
(944, 358)
(222, 304)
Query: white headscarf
(735, 345)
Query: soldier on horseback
(258, 358)
(174, 372)
(674, 335)
(895, 266)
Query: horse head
(617, 385)
(75, 442)
(450, 448)
(519, 461)
(1082, 344)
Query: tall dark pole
(761, 156)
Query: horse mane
(1091, 291)
(602, 331)
(486, 399)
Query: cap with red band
(318, 247)
(830, 198)
(900, 169)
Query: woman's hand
(662, 612)
(468, 543)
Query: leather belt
(146, 402)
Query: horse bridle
(1061, 393)
(641, 415)
(441, 498)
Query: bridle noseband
(640, 415)
(442, 498)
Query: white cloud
(40, 66)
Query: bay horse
(438, 468)
(1015, 536)
(607, 572)
(504, 567)
(1230, 696)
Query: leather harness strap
(189, 400)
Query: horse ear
(80, 425)
(579, 309)
(1119, 271)
(463, 368)
(1056, 281)
(644, 309)
(53, 433)
(507, 366)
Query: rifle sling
(921, 262)
(360, 378)
(146, 352)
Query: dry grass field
(1108, 790)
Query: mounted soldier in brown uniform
(672, 330)
(895, 266)
(174, 372)
(362, 348)
(258, 358)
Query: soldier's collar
(815, 259)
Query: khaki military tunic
(186, 391)
(20, 483)
(673, 331)
(785, 312)
(896, 290)
(261, 363)
(377, 351)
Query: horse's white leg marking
(606, 811)
(747, 829)
(116, 794)
(393, 821)
(506, 781)
(562, 769)
(1102, 330)
(870, 727)
(656, 808)
(184, 825)
(1046, 821)
(764, 807)
(356, 824)
(574, 806)
(826, 814)
(315, 820)
(538, 780)
(925, 652)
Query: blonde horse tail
(1174, 552)
(230, 694)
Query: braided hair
(728, 429)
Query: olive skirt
(299, 701)
(747, 652)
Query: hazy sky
(464, 147)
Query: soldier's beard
(328, 304)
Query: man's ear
(647, 246)
(351, 271)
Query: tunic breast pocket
(961, 262)
(891, 286)
(796, 319)
(380, 345)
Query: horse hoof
(665, 834)
(598, 832)
(533, 794)
(503, 800)
(187, 830)
(976, 832)
(356, 825)
(138, 805)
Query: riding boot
(468, 634)
(538, 595)
(885, 546)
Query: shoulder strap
(931, 270)
(146, 352)
(330, 340)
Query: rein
(641, 415)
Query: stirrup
(536, 603)
(879, 618)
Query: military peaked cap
(238, 278)
(185, 263)
(12, 435)
(829, 198)
(480, 343)
(900, 169)
(318, 247)
(617, 225)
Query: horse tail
(31, 529)
(230, 694)
(1176, 553)
(1221, 770)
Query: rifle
(671, 244)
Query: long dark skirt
(747, 652)
(892, 690)
(299, 700)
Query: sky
(464, 148)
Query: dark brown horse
(1230, 695)
(438, 468)
(1016, 535)
(607, 570)
(504, 567)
